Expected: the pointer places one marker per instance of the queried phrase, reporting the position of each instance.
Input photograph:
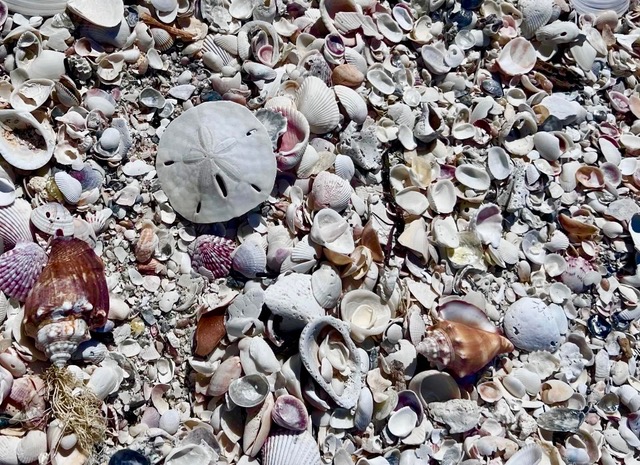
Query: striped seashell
(211, 256)
(227, 42)
(14, 224)
(52, 218)
(250, 258)
(43, 8)
(535, 14)
(284, 447)
(162, 39)
(209, 45)
(317, 103)
(330, 191)
(20, 268)
(69, 186)
(352, 102)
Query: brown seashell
(590, 177)
(209, 332)
(347, 75)
(70, 298)
(369, 239)
(147, 243)
(577, 230)
(461, 349)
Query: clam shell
(596, 7)
(473, 177)
(52, 218)
(69, 186)
(530, 454)
(31, 94)
(517, 57)
(330, 230)
(380, 79)
(20, 268)
(442, 196)
(290, 413)
(434, 386)
(285, 447)
(353, 103)
(25, 143)
(326, 286)
(499, 163)
(365, 312)
(31, 446)
(249, 391)
(330, 191)
(317, 103)
(535, 14)
(14, 224)
(8, 450)
(95, 12)
(310, 345)
(7, 190)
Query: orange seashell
(577, 230)
(209, 332)
(461, 349)
(147, 243)
(69, 299)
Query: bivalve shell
(52, 218)
(290, 413)
(69, 186)
(25, 143)
(353, 103)
(442, 196)
(290, 448)
(249, 391)
(517, 57)
(326, 285)
(31, 446)
(14, 224)
(317, 103)
(20, 268)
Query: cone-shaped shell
(461, 349)
(20, 267)
(69, 298)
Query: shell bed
(319, 232)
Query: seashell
(555, 391)
(380, 80)
(20, 268)
(554, 264)
(13, 364)
(151, 98)
(535, 14)
(585, 7)
(14, 224)
(590, 177)
(530, 454)
(162, 39)
(31, 446)
(326, 286)
(490, 391)
(98, 99)
(249, 391)
(69, 299)
(109, 68)
(31, 94)
(228, 371)
(442, 196)
(330, 230)
(284, 447)
(25, 143)
(434, 59)
(9, 449)
(461, 349)
(434, 386)
(499, 163)
(487, 224)
(388, 27)
(53, 219)
(402, 422)
(366, 314)
(250, 258)
(353, 103)
(330, 191)
(170, 421)
(332, 360)
(211, 256)
(290, 413)
(235, 147)
(94, 12)
(317, 103)
(293, 141)
(344, 167)
(517, 57)
(558, 32)
(347, 75)
(531, 325)
(473, 177)
(70, 187)
(291, 297)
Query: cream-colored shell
(366, 314)
(52, 217)
(95, 12)
(318, 104)
(18, 153)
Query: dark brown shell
(74, 273)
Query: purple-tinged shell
(290, 413)
(211, 256)
(14, 224)
(89, 178)
(20, 268)
(4, 12)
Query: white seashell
(110, 67)
(94, 12)
(256, 356)
(291, 297)
(190, 453)
(380, 80)
(530, 454)
(330, 191)
(344, 167)
(596, 7)
(473, 177)
(340, 376)
(434, 386)
(558, 32)
(326, 286)
(517, 57)
(499, 163)
(250, 258)
(249, 391)
(434, 59)
(7, 191)
(402, 422)
(442, 196)
(14, 224)
(31, 94)
(170, 421)
(388, 27)
(41, 8)
(554, 264)
(317, 103)
(290, 448)
(51, 218)
(20, 153)
(69, 186)
(445, 232)
(49, 64)
(353, 103)
(8, 450)
(104, 381)
(31, 446)
(487, 224)
(412, 201)
(535, 14)
(366, 314)
(330, 230)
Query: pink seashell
(27, 401)
(294, 141)
(330, 191)
(574, 277)
(211, 256)
(517, 57)
(20, 268)
(290, 413)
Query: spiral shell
(211, 256)
(69, 298)
(20, 267)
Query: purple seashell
(290, 413)
(88, 177)
(20, 268)
(211, 256)
(334, 45)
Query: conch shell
(461, 349)
(69, 298)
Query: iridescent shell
(211, 256)
(20, 267)
(69, 299)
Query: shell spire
(69, 298)
(461, 349)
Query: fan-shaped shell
(31, 446)
(326, 285)
(535, 14)
(353, 103)
(20, 267)
(40, 8)
(330, 191)
(285, 447)
(51, 218)
(211, 256)
(95, 12)
(596, 7)
(14, 224)
(317, 103)
(69, 186)
(25, 143)
(250, 258)
(334, 333)
(163, 40)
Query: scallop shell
(353, 103)
(250, 258)
(317, 103)
(535, 14)
(52, 218)
(336, 333)
(285, 447)
(31, 446)
(20, 267)
(69, 186)
(326, 286)
(14, 224)
(70, 298)
(19, 151)
(330, 191)
(517, 57)
(162, 39)
(211, 256)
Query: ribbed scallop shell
(250, 258)
(535, 14)
(285, 447)
(162, 39)
(69, 186)
(211, 256)
(353, 103)
(330, 191)
(14, 224)
(51, 218)
(317, 103)
(69, 298)
(584, 7)
(20, 267)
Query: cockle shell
(535, 14)
(584, 7)
(353, 103)
(326, 285)
(25, 143)
(211, 256)
(70, 298)
(332, 359)
(517, 57)
(52, 218)
(461, 349)
(250, 258)
(318, 104)
(14, 224)
(330, 191)
(69, 186)
(20, 267)
(284, 447)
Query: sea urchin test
(215, 162)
